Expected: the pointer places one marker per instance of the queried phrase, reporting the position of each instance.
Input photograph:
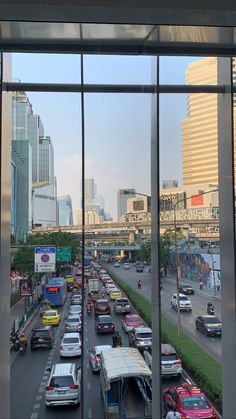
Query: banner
(26, 287)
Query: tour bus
(56, 291)
(125, 381)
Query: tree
(166, 240)
(23, 260)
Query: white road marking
(89, 413)
(41, 389)
(43, 383)
(45, 377)
(40, 397)
(34, 416)
(88, 386)
(36, 406)
(86, 339)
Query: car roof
(41, 328)
(180, 294)
(49, 311)
(75, 306)
(71, 335)
(62, 369)
(100, 348)
(207, 316)
(133, 315)
(143, 330)
(102, 301)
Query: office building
(171, 183)
(46, 160)
(13, 198)
(200, 128)
(138, 205)
(122, 196)
(35, 131)
(65, 210)
(90, 217)
(44, 205)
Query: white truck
(93, 287)
(125, 381)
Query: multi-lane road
(29, 374)
(199, 303)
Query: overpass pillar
(122, 253)
(130, 255)
(131, 237)
(95, 253)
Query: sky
(117, 126)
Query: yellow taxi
(69, 279)
(115, 293)
(51, 318)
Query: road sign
(64, 254)
(45, 259)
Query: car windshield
(183, 298)
(168, 357)
(212, 320)
(134, 319)
(144, 335)
(75, 308)
(71, 340)
(192, 403)
(105, 319)
(64, 381)
(40, 333)
(122, 301)
(102, 305)
(73, 320)
(186, 286)
(51, 313)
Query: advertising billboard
(26, 287)
(196, 200)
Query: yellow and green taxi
(69, 279)
(115, 293)
(51, 318)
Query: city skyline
(117, 127)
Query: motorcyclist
(116, 340)
(89, 307)
(23, 340)
(210, 308)
(139, 283)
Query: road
(29, 376)
(199, 303)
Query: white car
(70, 345)
(63, 386)
(110, 287)
(184, 302)
(116, 265)
(126, 265)
(94, 356)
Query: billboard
(196, 200)
(45, 259)
(26, 287)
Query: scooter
(210, 309)
(22, 347)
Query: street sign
(45, 259)
(64, 254)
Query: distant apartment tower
(122, 196)
(172, 183)
(65, 210)
(46, 160)
(200, 129)
(90, 217)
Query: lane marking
(36, 406)
(89, 413)
(40, 397)
(88, 386)
(34, 416)
(43, 383)
(41, 389)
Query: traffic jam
(120, 358)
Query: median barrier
(205, 370)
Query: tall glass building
(46, 160)
(122, 196)
(35, 131)
(65, 210)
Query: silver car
(76, 309)
(122, 305)
(73, 323)
(76, 299)
(63, 386)
(94, 356)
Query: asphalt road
(199, 303)
(29, 376)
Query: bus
(56, 291)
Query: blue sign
(45, 250)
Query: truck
(93, 287)
(125, 381)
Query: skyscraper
(65, 210)
(35, 131)
(122, 196)
(46, 160)
(200, 129)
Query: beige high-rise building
(199, 129)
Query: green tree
(166, 240)
(23, 260)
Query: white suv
(184, 303)
(63, 386)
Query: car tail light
(49, 388)
(74, 387)
(178, 362)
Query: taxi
(115, 293)
(51, 318)
(189, 401)
(69, 279)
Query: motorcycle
(22, 347)
(210, 309)
(14, 340)
(89, 310)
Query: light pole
(177, 253)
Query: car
(171, 364)
(75, 309)
(51, 318)
(110, 287)
(122, 305)
(104, 324)
(69, 279)
(115, 293)
(70, 345)
(189, 401)
(76, 299)
(129, 321)
(102, 306)
(184, 303)
(116, 265)
(73, 323)
(139, 268)
(42, 337)
(186, 289)
(126, 265)
(94, 356)
(209, 325)
(140, 338)
(63, 385)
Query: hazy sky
(117, 127)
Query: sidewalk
(18, 310)
(207, 292)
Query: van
(63, 386)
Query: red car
(130, 321)
(190, 401)
(102, 307)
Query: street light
(177, 253)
